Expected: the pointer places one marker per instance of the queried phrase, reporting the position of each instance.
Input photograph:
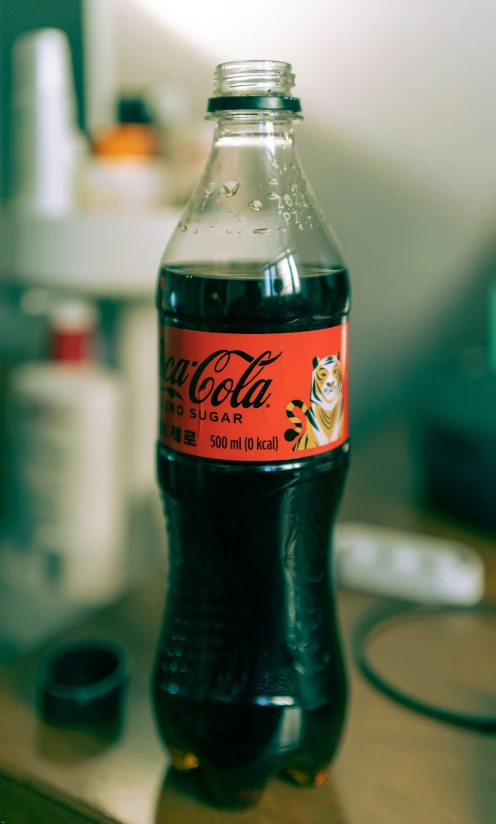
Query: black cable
(376, 618)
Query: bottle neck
(250, 127)
(252, 149)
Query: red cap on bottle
(72, 327)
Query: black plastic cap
(82, 684)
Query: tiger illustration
(324, 418)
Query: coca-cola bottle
(253, 299)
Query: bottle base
(242, 786)
(183, 761)
(231, 752)
(309, 776)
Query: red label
(253, 397)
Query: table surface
(394, 766)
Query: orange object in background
(127, 170)
(127, 141)
(134, 136)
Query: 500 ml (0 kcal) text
(247, 444)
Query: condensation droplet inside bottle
(230, 188)
(195, 231)
(274, 196)
(293, 187)
(256, 205)
(240, 219)
(210, 225)
(264, 231)
(273, 181)
(300, 227)
(183, 228)
(229, 231)
(231, 211)
(281, 229)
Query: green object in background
(457, 430)
(21, 337)
(492, 327)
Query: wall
(398, 142)
(412, 81)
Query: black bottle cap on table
(82, 683)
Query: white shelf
(103, 254)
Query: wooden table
(395, 767)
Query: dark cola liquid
(249, 679)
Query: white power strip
(405, 565)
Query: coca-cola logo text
(207, 381)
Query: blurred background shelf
(98, 253)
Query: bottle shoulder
(254, 203)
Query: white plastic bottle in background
(65, 419)
(137, 360)
(46, 144)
